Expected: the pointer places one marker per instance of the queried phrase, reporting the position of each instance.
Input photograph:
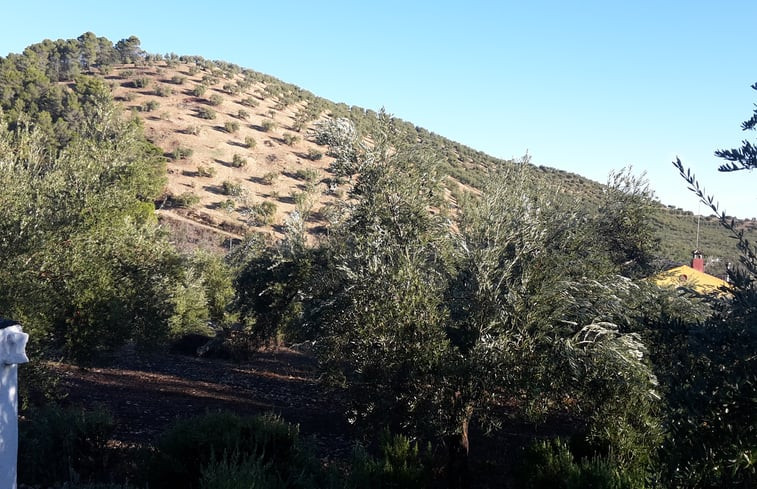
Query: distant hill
(241, 153)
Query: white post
(12, 352)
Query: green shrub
(243, 114)
(193, 130)
(270, 177)
(140, 82)
(250, 142)
(231, 126)
(199, 90)
(238, 161)
(57, 444)
(178, 79)
(206, 113)
(163, 90)
(228, 205)
(290, 139)
(314, 154)
(268, 125)
(187, 199)
(206, 171)
(193, 70)
(230, 472)
(215, 448)
(215, 99)
(209, 80)
(181, 152)
(264, 213)
(231, 188)
(401, 465)
(310, 175)
(231, 88)
(249, 102)
(127, 73)
(149, 106)
(550, 464)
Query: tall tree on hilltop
(129, 50)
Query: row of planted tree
(516, 304)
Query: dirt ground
(146, 392)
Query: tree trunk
(458, 474)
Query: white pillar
(12, 352)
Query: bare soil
(146, 392)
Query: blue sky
(586, 87)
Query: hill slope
(242, 156)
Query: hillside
(269, 125)
(241, 155)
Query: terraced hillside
(242, 156)
(241, 153)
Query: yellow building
(692, 276)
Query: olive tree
(425, 326)
(713, 370)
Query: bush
(268, 125)
(243, 114)
(215, 99)
(57, 444)
(178, 79)
(402, 465)
(310, 175)
(216, 449)
(550, 464)
(149, 106)
(140, 82)
(249, 102)
(231, 188)
(232, 473)
(250, 142)
(187, 199)
(199, 90)
(206, 171)
(231, 126)
(314, 154)
(228, 205)
(270, 177)
(238, 161)
(163, 90)
(290, 139)
(231, 88)
(206, 113)
(193, 130)
(181, 152)
(209, 80)
(264, 213)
